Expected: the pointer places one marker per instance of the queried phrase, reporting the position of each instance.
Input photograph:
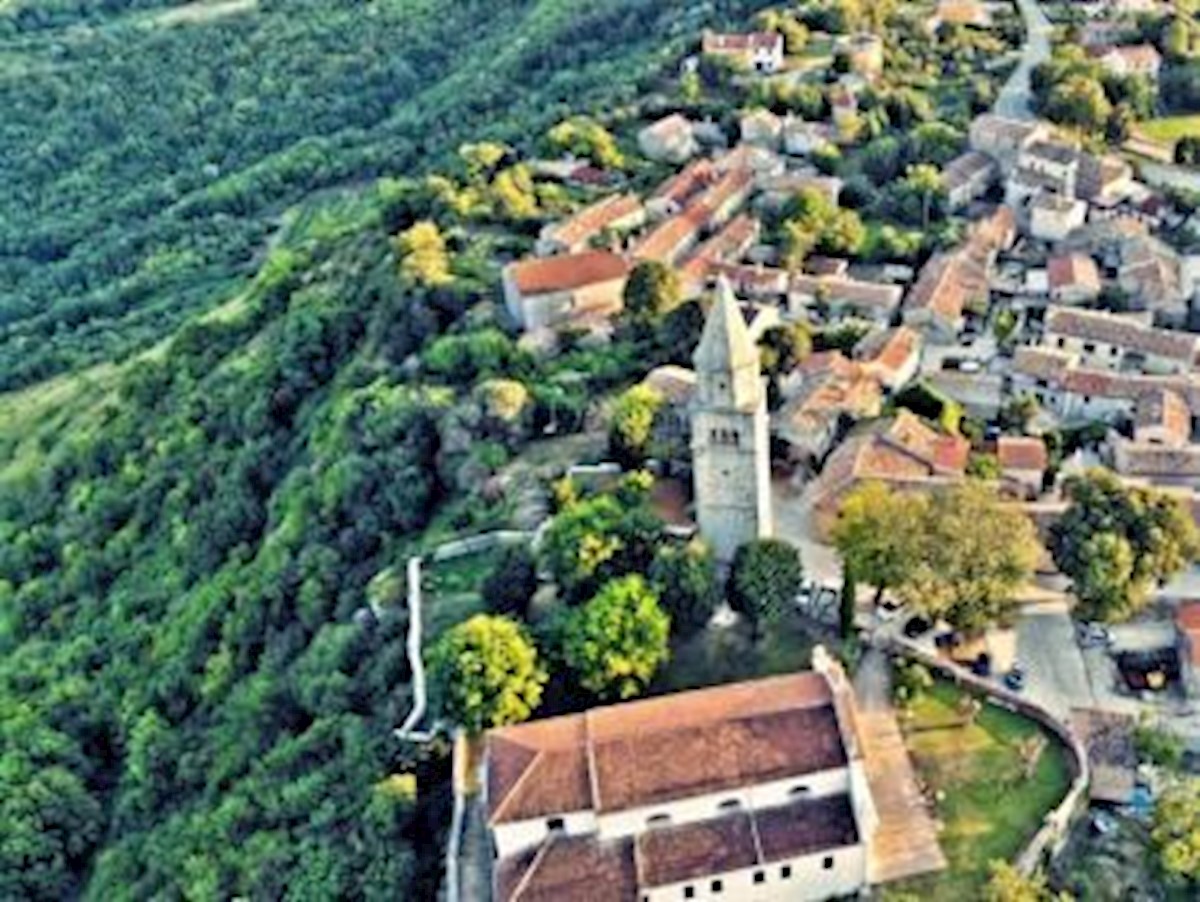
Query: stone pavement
(905, 844)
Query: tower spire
(725, 344)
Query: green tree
(1079, 101)
(617, 641)
(1159, 746)
(632, 423)
(483, 158)
(486, 673)
(685, 579)
(925, 181)
(1007, 884)
(973, 553)
(424, 259)
(764, 581)
(784, 347)
(1115, 542)
(652, 291)
(593, 540)
(876, 533)
(587, 138)
(510, 585)
(1175, 831)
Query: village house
(1133, 60)
(902, 452)
(1077, 394)
(673, 239)
(952, 283)
(1003, 139)
(1042, 167)
(673, 195)
(1023, 462)
(761, 128)
(672, 429)
(1052, 217)
(839, 296)
(968, 177)
(753, 280)
(669, 140)
(892, 356)
(775, 191)
(752, 790)
(1103, 181)
(1119, 341)
(823, 396)
(758, 51)
(1149, 271)
(569, 289)
(1160, 450)
(729, 245)
(802, 138)
(760, 162)
(1072, 279)
(615, 214)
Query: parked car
(916, 626)
(1094, 635)
(887, 609)
(1015, 679)
(982, 666)
(970, 366)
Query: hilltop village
(918, 384)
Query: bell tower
(730, 444)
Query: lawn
(451, 590)
(1170, 129)
(988, 809)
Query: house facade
(555, 292)
(758, 51)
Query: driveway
(1015, 98)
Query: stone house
(614, 214)
(759, 51)
(669, 140)
(1119, 341)
(752, 790)
(968, 177)
(1052, 217)
(564, 290)
(1023, 462)
(1072, 279)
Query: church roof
(725, 344)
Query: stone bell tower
(730, 443)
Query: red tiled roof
(593, 219)
(578, 868)
(1021, 453)
(655, 750)
(1071, 271)
(567, 272)
(693, 178)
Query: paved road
(1014, 99)
(1055, 672)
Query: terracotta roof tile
(676, 854)
(578, 869)
(1021, 453)
(567, 272)
(664, 748)
(594, 219)
(1123, 332)
(806, 827)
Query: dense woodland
(195, 699)
(146, 164)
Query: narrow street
(1015, 98)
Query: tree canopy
(764, 581)
(1116, 542)
(617, 641)
(487, 674)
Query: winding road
(1015, 98)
